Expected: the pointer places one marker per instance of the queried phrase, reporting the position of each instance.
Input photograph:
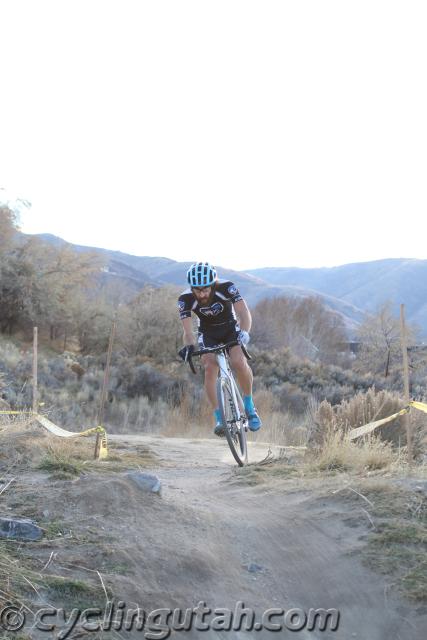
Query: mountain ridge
(352, 290)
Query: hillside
(351, 290)
(365, 285)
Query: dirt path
(212, 538)
(216, 537)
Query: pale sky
(247, 133)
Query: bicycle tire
(235, 431)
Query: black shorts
(218, 334)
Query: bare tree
(39, 284)
(8, 221)
(304, 325)
(58, 276)
(379, 338)
(150, 325)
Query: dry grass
(75, 593)
(185, 421)
(284, 429)
(397, 543)
(256, 474)
(25, 446)
(367, 407)
(338, 453)
(122, 458)
(279, 428)
(23, 583)
(60, 466)
(19, 444)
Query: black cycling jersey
(220, 310)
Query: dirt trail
(212, 538)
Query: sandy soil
(212, 537)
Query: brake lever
(190, 362)
(246, 353)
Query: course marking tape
(63, 433)
(367, 428)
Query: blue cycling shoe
(219, 430)
(254, 421)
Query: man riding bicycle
(216, 304)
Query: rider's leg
(245, 378)
(211, 373)
(242, 370)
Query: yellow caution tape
(419, 405)
(103, 444)
(63, 433)
(367, 428)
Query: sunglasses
(201, 289)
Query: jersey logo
(181, 305)
(213, 310)
(232, 290)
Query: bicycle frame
(226, 372)
(229, 400)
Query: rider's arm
(244, 315)
(188, 336)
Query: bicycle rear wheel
(234, 428)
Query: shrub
(359, 410)
(338, 453)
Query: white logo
(232, 290)
(213, 310)
(181, 305)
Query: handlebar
(217, 349)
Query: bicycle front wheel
(234, 428)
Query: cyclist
(216, 304)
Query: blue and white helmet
(201, 274)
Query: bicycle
(230, 403)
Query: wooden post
(100, 417)
(35, 390)
(97, 453)
(406, 420)
(106, 376)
